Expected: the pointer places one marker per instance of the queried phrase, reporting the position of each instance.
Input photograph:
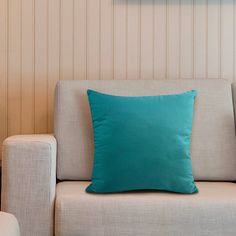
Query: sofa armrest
(29, 182)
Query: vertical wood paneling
(67, 40)
(80, 39)
(120, 39)
(213, 36)
(3, 69)
(186, 37)
(53, 55)
(173, 31)
(227, 39)
(14, 68)
(43, 41)
(27, 89)
(234, 46)
(133, 39)
(147, 39)
(93, 39)
(200, 39)
(160, 39)
(106, 40)
(41, 66)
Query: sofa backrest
(213, 144)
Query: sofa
(44, 176)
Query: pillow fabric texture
(142, 143)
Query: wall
(42, 41)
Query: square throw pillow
(142, 143)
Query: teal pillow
(142, 143)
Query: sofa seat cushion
(210, 212)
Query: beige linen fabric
(8, 225)
(29, 181)
(211, 212)
(213, 146)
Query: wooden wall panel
(234, 49)
(41, 66)
(93, 39)
(147, 39)
(120, 39)
(200, 39)
(186, 39)
(133, 39)
(173, 39)
(213, 39)
(27, 67)
(14, 67)
(54, 13)
(80, 39)
(160, 39)
(227, 39)
(43, 41)
(106, 40)
(3, 69)
(67, 40)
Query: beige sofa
(32, 163)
